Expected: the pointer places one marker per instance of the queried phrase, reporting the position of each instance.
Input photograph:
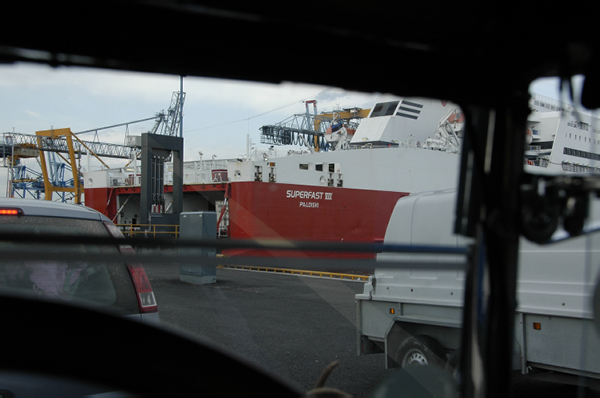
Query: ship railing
(540, 162)
(579, 168)
(550, 103)
(152, 231)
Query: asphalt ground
(292, 326)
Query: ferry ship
(346, 193)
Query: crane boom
(59, 144)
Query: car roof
(44, 208)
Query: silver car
(67, 269)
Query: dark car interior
(481, 57)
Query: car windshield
(299, 227)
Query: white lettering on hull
(308, 195)
(312, 205)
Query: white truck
(414, 315)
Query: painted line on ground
(321, 274)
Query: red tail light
(143, 289)
(10, 212)
(145, 295)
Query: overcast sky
(218, 114)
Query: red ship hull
(308, 213)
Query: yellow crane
(44, 143)
(346, 114)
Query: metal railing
(149, 231)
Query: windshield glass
(313, 200)
(68, 273)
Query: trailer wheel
(421, 350)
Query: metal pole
(181, 109)
(12, 165)
(247, 146)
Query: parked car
(47, 260)
(116, 286)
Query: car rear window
(82, 280)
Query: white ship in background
(562, 138)
(347, 193)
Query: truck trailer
(413, 313)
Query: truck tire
(420, 350)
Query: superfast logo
(308, 195)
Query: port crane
(49, 146)
(308, 129)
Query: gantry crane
(309, 130)
(55, 142)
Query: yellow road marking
(300, 272)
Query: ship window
(407, 115)
(303, 166)
(319, 167)
(331, 167)
(409, 109)
(391, 108)
(376, 110)
(416, 105)
(403, 108)
(384, 109)
(581, 154)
